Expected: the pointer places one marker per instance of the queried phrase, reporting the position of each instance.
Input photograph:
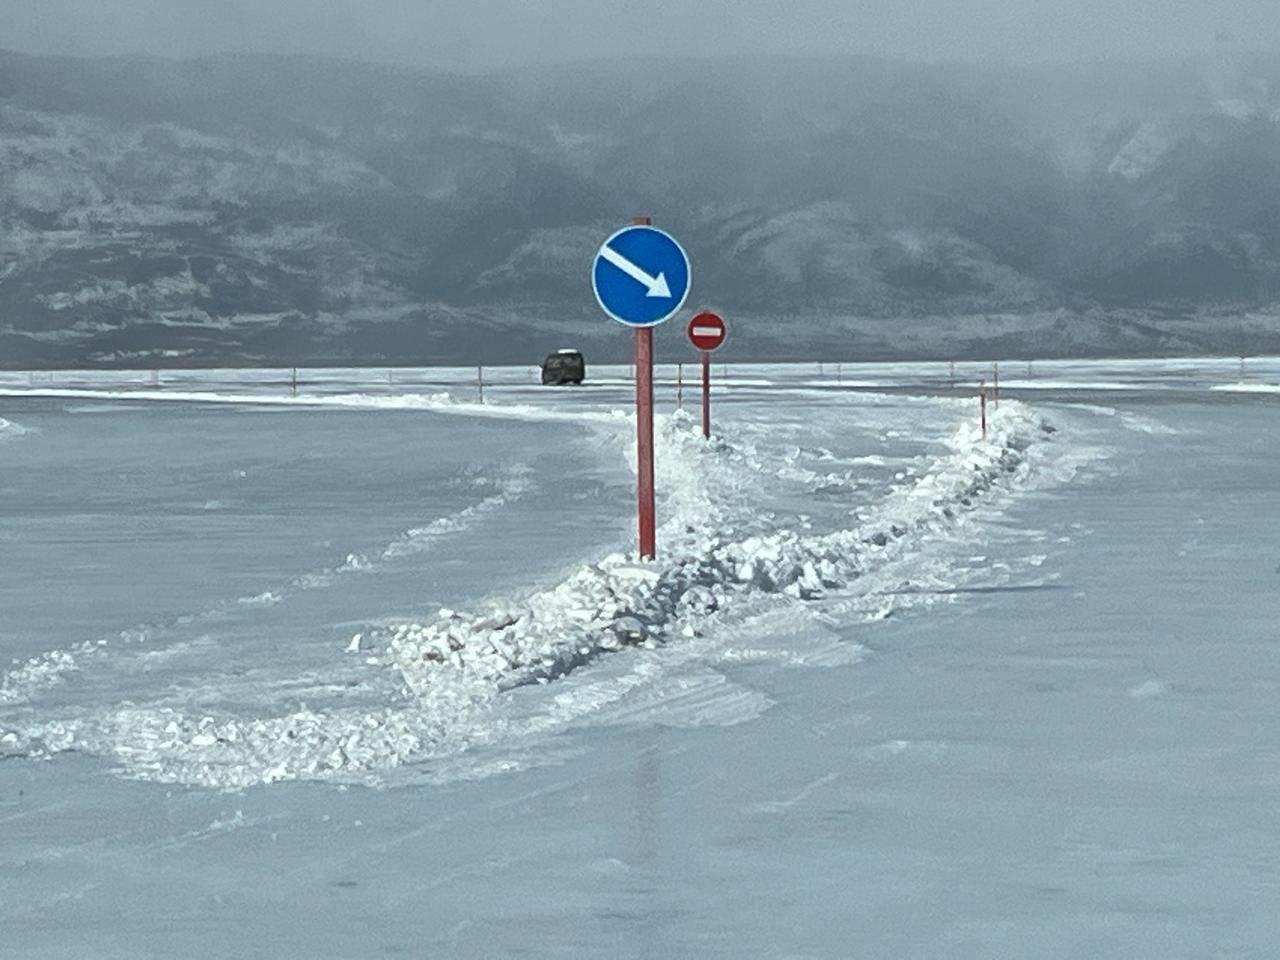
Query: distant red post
(706, 394)
(646, 510)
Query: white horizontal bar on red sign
(707, 331)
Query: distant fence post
(293, 381)
(679, 386)
(480, 381)
(982, 406)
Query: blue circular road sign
(641, 276)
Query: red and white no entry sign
(706, 331)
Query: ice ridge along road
(409, 691)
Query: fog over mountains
(288, 210)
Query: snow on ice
(723, 561)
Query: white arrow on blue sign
(641, 276)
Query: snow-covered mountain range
(295, 210)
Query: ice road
(369, 670)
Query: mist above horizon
(469, 36)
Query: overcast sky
(480, 34)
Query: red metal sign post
(645, 509)
(640, 277)
(982, 406)
(706, 395)
(706, 332)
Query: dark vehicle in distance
(563, 366)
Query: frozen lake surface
(368, 670)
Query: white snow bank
(1247, 387)
(705, 568)
(722, 561)
(42, 671)
(440, 402)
